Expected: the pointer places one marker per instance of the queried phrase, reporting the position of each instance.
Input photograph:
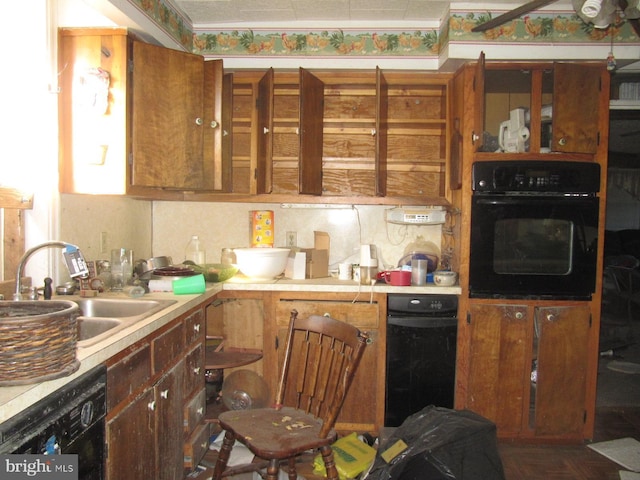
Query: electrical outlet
(103, 242)
(292, 239)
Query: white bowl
(444, 278)
(265, 263)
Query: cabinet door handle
(373, 132)
(196, 328)
(198, 121)
(474, 137)
(151, 405)
(213, 124)
(164, 394)
(519, 315)
(562, 141)
(225, 133)
(265, 130)
(196, 370)
(551, 317)
(200, 411)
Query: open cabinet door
(382, 127)
(311, 133)
(576, 100)
(264, 175)
(166, 118)
(212, 125)
(478, 107)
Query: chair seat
(278, 434)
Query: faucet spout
(23, 261)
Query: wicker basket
(37, 341)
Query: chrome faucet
(23, 261)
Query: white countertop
(329, 284)
(14, 399)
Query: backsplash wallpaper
(164, 228)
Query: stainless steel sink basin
(119, 307)
(92, 327)
(101, 317)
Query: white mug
(344, 271)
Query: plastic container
(194, 251)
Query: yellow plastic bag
(352, 457)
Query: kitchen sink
(119, 308)
(101, 317)
(92, 327)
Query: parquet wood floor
(572, 462)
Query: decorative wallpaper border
(557, 28)
(322, 43)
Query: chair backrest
(321, 358)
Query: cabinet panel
(168, 404)
(93, 140)
(130, 440)
(363, 409)
(500, 340)
(129, 373)
(361, 314)
(194, 370)
(194, 411)
(167, 129)
(560, 393)
(167, 347)
(194, 328)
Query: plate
(174, 272)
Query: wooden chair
(320, 360)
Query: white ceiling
(212, 12)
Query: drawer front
(360, 314)
(128, 374)
(194, 411)
(167, 347)
(194, 375)
(194, 328)
(196, 446)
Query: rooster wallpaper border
(548, 28)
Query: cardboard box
(296, 265)
(317, 261)
(261, 228)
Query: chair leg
(273, 470)
(329, 463)
(223, 455)
(293, 473)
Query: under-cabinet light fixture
(316, 206)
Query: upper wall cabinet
(346, 136)
(137, 118)
(538, 108)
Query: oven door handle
(541, 200)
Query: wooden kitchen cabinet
(138, 119)
(346, 136)
(259, 320)
(154, 390)
(502, 342)
(527, 367)
(562, 102)
(363, 409)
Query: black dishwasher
(421, 353)
(69, 421)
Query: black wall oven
(534, 229)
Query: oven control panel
(536, 177)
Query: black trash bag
(443, 444)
